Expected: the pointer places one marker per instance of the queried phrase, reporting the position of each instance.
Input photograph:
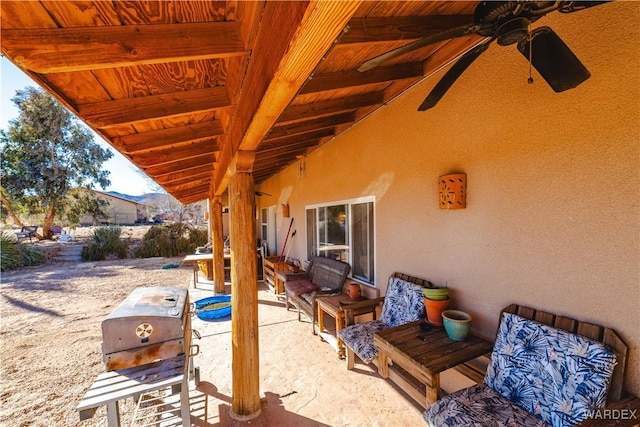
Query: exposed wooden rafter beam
(184, 174)
(54, 50)
(311, 125)
(174, 154)
(279, 162)
(131, 110)
(196, 183)
(188, 179)
(266, 170)
(345, 79)
(298, 36)
(192, 194)
(317, 124)
(140, 142)
(165, 169)
(330, 106)
(384, 29)
(288, 139)
(193, 198)
(290, 150)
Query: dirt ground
(50, 338)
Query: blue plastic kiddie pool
(213, 308)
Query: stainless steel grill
(151, 324)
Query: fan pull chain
(530, 79)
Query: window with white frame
(344, 231)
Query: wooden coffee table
(423, 355)
(333, 306)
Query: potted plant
(457, 324)
(436, 300)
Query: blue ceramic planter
(456, 323)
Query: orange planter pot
(434, 310)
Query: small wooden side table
(333, 306)
(423, 355)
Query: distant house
(121, 210)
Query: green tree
(45, 153)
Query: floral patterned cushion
(538, 376)
(556, 375)
(402, 304)
(359, 338)
(478, 406)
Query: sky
(124, 176)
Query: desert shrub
(170, 241)
(14, 255)
(31, 255)
(10, 255)
(198, 237)
(105, 242)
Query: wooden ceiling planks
(179, 87)
(88, 48)
(17, 14)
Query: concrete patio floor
(302, 380)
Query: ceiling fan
(507, 22)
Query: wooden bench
(620, 410)
(27, 231)
(324, 276)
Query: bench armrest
(321, 293)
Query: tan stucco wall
(552, 217)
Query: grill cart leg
(113, 414)
(185, 406)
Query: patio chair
(27, 231)
(402, 304)
(324, 276)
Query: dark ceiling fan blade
(426, 41)
(553, 59)
(575, 6)
(452, 75)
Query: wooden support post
(244, 291)
(217, 243)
